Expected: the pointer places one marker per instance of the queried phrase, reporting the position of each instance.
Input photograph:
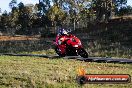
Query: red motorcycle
(69, 45)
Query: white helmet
(63, 32)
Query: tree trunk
(74, 25)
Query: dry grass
(32, 72)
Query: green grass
(34, 72)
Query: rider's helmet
(63, 32)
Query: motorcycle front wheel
(82, 52)
(57, 50)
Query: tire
(59, 52)
(83, 53)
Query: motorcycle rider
(62, 32)
(62, 35)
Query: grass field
(35, 72)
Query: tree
(5, 20)
(129, 10)
(25, 16)
(103, 9)
(73, 8)
(125, 11)
(12, 4)
(56, 14)
(119, 4)
(43, 6)
(13, 17)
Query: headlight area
(75, 46)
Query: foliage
(119, 6)
(125, 11)
(55, 13)
(44, 14)
(12, 4)
(120, 3)
(43, 6)
(4, 20)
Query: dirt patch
(10, 38)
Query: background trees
(49, 13)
